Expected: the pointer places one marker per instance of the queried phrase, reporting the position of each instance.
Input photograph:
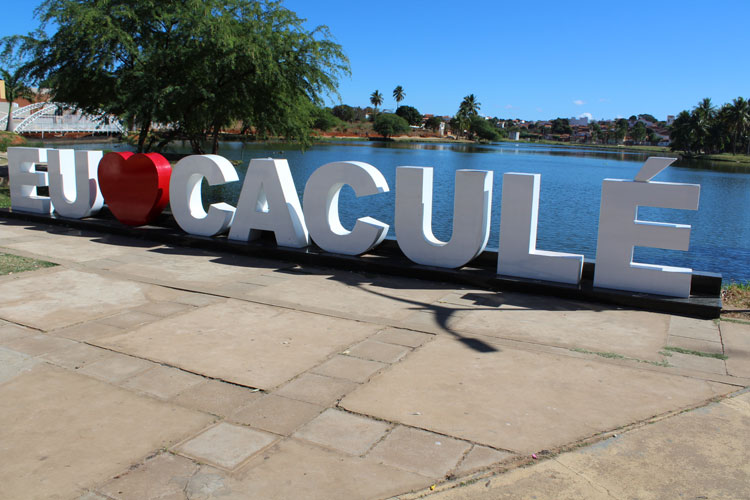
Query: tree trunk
(10, 110)
(145, 127)
(215, 144)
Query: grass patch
(8, 139)
(10, 264)
(4, 196)
(696, 353)
(733, 320)
(736, 300)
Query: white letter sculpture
(185, 194)
(471, 217)
(620, 231)
(24, 179)
(321, 207)
(73, 182)
(268, 201)
(517, 253)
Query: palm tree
(398, 94)
(14, 88)
(376, 98)
(703, 115)
(737, 118)
(469, 106)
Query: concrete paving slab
(518, 400)
(163, 476)
(9, 331)
(699, 329)
(242, 342)
(709, 346)
(14, 363)
(164, 309)
(480, 457)
(36, 345)
(66, 297)
(162, 381)
(343, 431)
(189, 268)
(697, 363)
(77, 356)
(350, 368)
(408, 338)
(86, 331)
(354, 294)
(129, 319)
(74, 249)
(115, 368)
(216, 397)
(736, 338)
(294, 469)
(688, 456)
(226, 445)
(636, 334)
(276, 414)
(317, 389)
(378, 351)
(419, 451)
(65, 431)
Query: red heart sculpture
(135, 186)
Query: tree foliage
(483, 129)
(376, 99)
(399, 95)
(197, 65)
(388, 124)
(323, 119)
(561, 126)
(410, 114)
(433, 123)
(708, 130)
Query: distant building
(579, 122)
(514, 136)
(2, 89)
(670, 119)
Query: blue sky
(530, 60)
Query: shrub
(387, 124)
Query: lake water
(569, 200)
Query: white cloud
(586, 115)
(578, 102)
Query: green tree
(388, 124)
(648, 117)
(737, 121)
(638, 132)
(469, 106)
(398, 95)
(410, 114)
(561, 126)
(483, 129)
(15, 87)
(376, 99)
(198, 65)
(621, 129)
(681, 132)
(596, 132)
(702, 119)
(323, 119)
(433, 123)
(344, 112)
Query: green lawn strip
(696, 353)
(734, 320)
(10, 264)
(614, 355)
(4, 197)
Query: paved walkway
(135, 370)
